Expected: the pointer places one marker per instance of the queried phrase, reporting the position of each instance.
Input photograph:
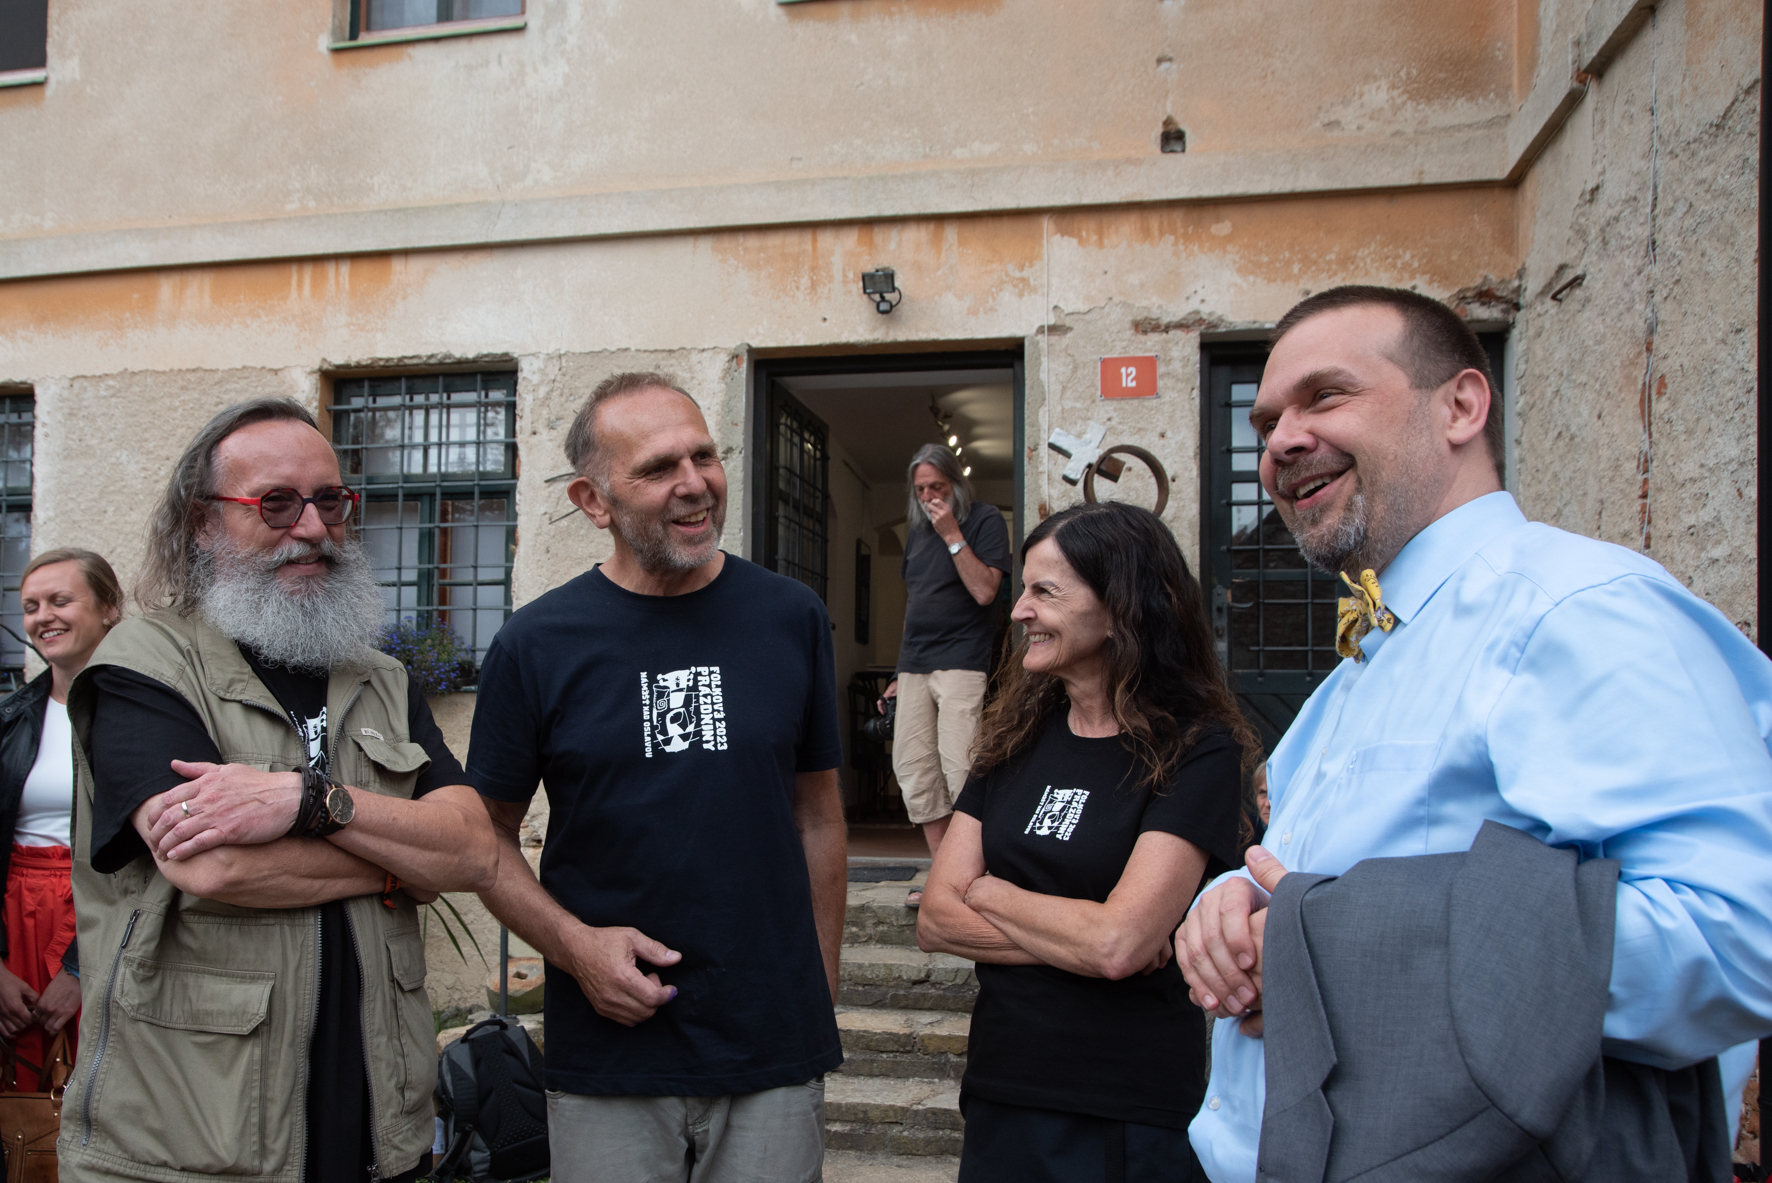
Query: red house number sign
(1129, 377)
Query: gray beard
(1332, 547)
(333, 621)
(654, 549)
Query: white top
(47, 806)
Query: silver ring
(186, 806)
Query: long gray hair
(170, 575)
(940, 458)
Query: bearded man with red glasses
(262, 801)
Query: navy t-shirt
(1062, 821)
(666, 731)
(944, 627)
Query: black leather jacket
(21, 727)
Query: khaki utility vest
(196, 1015)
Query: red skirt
(39, 915)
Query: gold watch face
(340, 805)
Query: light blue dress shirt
(1571, 689)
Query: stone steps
(929, 1045)
(905, 979)
(904, 1017)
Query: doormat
(892, 873)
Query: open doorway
(832, 439)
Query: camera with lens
(879, 727)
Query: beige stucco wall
(1664, 144)
(244, 114)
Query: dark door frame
(765, 370)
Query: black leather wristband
(312, 812)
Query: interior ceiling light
(967, 471)
(880, 285)
(953, 440)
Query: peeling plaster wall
(242, 112)
(1676, 478)
(1168, 426)
(127, 365)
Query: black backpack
(493, 1105)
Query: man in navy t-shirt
(678, 704)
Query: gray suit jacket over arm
(1440, 1018)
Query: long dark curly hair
(1165, 682)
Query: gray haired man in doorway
(954, 562)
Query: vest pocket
(392, 763)
(418, 1032)
(183, 1078)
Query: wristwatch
(340, 809)
(955, 548)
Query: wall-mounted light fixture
(880, 285)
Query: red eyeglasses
(282, 508)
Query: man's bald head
(583, 449)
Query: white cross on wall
(1083, 452)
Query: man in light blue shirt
(1565, 687)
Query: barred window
(435, 458)
(17, 422)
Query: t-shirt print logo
(1058, 813)
(683, 707)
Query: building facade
(440, 223)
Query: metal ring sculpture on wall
(1137, 453)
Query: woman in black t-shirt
(1104, 790)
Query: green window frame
(435, 459)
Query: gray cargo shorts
(773, 1136)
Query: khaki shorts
(773, 1136)
(932, 738)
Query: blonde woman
(70, 599)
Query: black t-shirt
(944, 627)
(139, 725)
(1062, 821)
(666, 731)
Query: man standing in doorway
(678, 704)
(260, 796)
(954, 562)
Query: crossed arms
(232, 847)
(970, 913)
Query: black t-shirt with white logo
(667, 731)
(1062, 820)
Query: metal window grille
(435, 458)
(17, 423)
(1274, 614)
(799, 469)
(1280, 612)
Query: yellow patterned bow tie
(1359, 614)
